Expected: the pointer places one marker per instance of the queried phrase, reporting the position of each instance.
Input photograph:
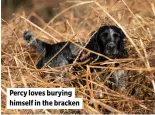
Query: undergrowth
(75, 23)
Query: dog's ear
(93, 43)
(123, 52)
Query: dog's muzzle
(111, 49)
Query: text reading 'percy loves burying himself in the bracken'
(43, 98)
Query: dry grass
(75, 23)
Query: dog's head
(111, 41)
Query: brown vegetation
(75, 22)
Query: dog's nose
(111, 46)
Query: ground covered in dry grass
(75, 22)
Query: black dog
(107, 40)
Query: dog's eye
(105, 34)
(115, 35)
